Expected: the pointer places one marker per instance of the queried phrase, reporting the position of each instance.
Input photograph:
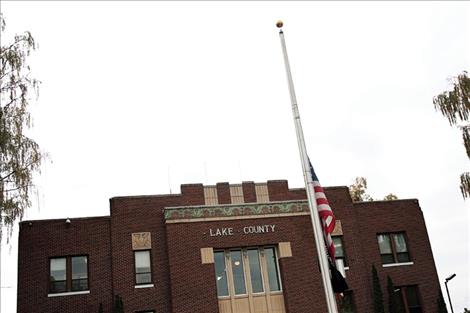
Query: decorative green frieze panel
(236, 210)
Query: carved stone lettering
(224, 231)
(247, 230)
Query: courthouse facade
(244, 248)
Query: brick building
(224, 248)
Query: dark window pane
(412, 296)
(79, 284)
(415, 310)
(143, 278)
(238, 272)
(387, 258)
(403, 257)
(271, 262)
(399, 300)
(255, 271)
(220, 274)
(58, 286)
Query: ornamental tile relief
(235, 210)
(141, 241)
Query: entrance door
(248, 280)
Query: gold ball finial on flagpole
(279, 24)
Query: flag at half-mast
(327, 218)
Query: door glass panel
(255, 271)
(220, 274)
(238, 272)
(271, 262)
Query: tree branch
(18, 188)
(15, 171)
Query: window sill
(144, 286)
(397, 264)
(70, 293)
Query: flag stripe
(327, 218)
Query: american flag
(327, 218)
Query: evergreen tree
(394, 303)
(118, 305)
(441, 305)
(377, 295)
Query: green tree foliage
(358, 191)
(441, 305)
(455, 106)
(390, 196)
(394, 303)
(377, 295)
(118, 305)
(20, 156)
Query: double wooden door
(248, 280)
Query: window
(393, 248)
(255, 271)
(220, 274)
(408, 297)
(237, 272)
(68, 274)
(271, 262)
(143, 269)
(245, 271)
(340, 255)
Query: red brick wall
(399, 216)
(190, 277)
(145, 214)
(40, 240)
(182, 284)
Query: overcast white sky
(138, 97)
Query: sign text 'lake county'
(247, 230)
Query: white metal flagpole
(312, 203)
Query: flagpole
(321, 249)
